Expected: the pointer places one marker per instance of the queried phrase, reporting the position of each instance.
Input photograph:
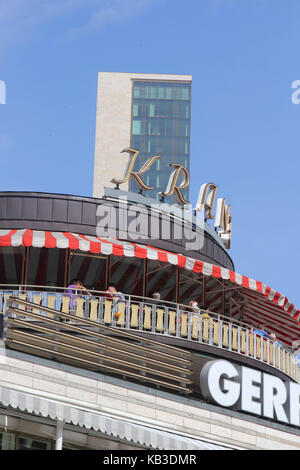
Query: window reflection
(161, 126)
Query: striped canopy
(260, 302)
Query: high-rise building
(148, 112)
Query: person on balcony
(273, 337)
(156, 298)
(78, 286)
(204, 311)
(116, 296)
(261, 331)
(194, 307)
(74, 290)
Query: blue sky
(244, 56)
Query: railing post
(100, 309)
(127, 310)
(44, 302)
(189, 325)
(247, 342)
(141, 312)
(166, 320)
(220, 326)
(177, 321)
(153, 318)
(86, 307)
(5, 321)
(200, 329)
(210, 332)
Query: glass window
(164, 127)
(137, 91)
(136, 127)
(152, 110)
(185, 94)
(169, 93)
(14, 441)
(135, 110)
(7, 441)
(152, 92)
(161, 93)
(28, 443)
(187, 111)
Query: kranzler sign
(249, 390)
(180, 179)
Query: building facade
(76, 376)
(190, 369)
(147, 112)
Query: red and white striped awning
(260, 301)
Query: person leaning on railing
(116, 296)
(205, 311)
(156, 300)
(261, 331)
(272, 337)
(74, 290)
(194, 307)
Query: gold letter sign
(206, 200)
(223, 221)
(135, 174)
(175, 189)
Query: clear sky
(244, 56)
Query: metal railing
(95, 346)
(158, 317)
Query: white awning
(119, 428)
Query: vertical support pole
(107, 271)
(145, 277)
(203, 300)
(23, 268)
(59, 434)
(26, 267)
(67, 268)
(223, 297)
(177, 285)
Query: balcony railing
(160, 318)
